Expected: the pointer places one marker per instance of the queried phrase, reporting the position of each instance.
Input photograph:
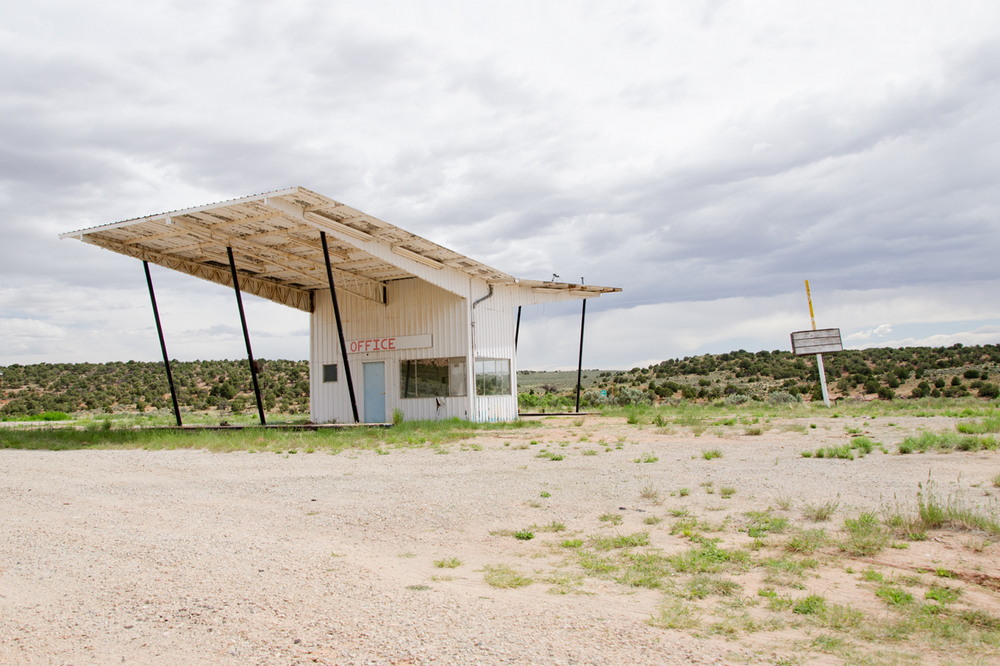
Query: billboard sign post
(819, 342)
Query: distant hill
(137, 386)
(739, 376)
(882, 373)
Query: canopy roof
(275, 238)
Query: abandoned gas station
(396, 322)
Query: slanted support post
(517, 327)
(579, 364)
(340, 328)
(246, 337)
(163, 344)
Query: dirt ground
(411, 556)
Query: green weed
(813, 604)
(763, 522)
(708, 558)
(943, 595)
(894, 596)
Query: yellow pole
(819, 357)
(812, 315)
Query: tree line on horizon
(740, 376)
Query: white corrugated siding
(493, 337)
(416, 307)
(413, 307)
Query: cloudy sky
(707, 157)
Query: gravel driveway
(184, 556)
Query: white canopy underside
(275, 239)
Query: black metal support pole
(340, 328)
(246, 337)
(579, 365)
(517, 328)
(163, 344)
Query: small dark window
(330, 373)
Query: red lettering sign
(373, 345)
(393, 343)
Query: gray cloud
(687, 154)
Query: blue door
(374, 392)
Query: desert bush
(782, 398)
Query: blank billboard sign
(821, 341)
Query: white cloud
(984, 335)
(879, 331)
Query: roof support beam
(579, 363)
(340, 330)
(163, 345)
(246, 337)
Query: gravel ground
(133, 556)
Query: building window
(492, 376)
(330, 373)
(432, 378)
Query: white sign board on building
(820, 341)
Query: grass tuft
(865, 537)
(821, 512)
(954, 512)
(504, 577)
(620, 541)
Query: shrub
(987, 390)
(782, 398)
(52, 416)
(628, 395)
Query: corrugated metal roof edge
(184, 211)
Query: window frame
(444, 378)
(493, 376)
